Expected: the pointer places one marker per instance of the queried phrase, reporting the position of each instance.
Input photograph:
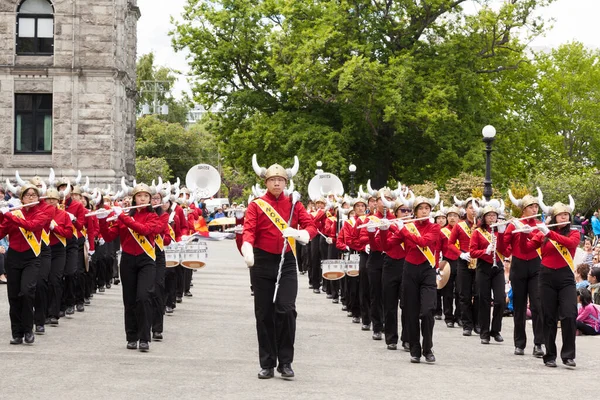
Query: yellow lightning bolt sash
(46, 237)
(277, 220)
(425, 250)
(29, 236)
(447, 233)
(144, 244)
(488, 237)
(564, 252)
(172, 233)
(158, 240)
(62, 239)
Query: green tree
(150, 168)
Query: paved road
(210, 352)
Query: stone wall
(92, 78)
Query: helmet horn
(260, 171)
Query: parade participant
(138, 263)
(90, 233)
(363, 249)
(558, 296)
(440, 219)
(451, 252)
(331, 252)
(419, 277)
(368, 237)
(469, 299)
(524, 276)
(61, 230)
(170, 273)
(318, 217)
(392, 241)
(162, 239)
(24, 226)
(487, 247)
(342, 244)
(273, 273)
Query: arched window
(35, 28)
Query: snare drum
(194, 255)
(172, 256)
(333, 270)
(352, 265)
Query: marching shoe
(330, 296)
(519, 351)
(430, 358)
(116, 281)
(550, 363)
(538, 351)
(316, 291)
(70, 310)
(144, 347)
(310, 286)
(335, 301)
(344, 307)
(285, 370)
(349, 314)
(356, 320)
(87, 302)
(377, 336)
(266, 373)
(569, 362)
(29, 337)
(39, 329)
(80, 308)
(392, 346)
(406, 346)
(477, 329)
(178, 299)
(188, 294)
(131, 345)
(498, 338)
(415, 360)
(168, 310)
(17, 340)
(450, 324)
(108, 285)
(485, 341)
(53, 321)
(366, 328)
(47, 321)
(466, 332)
(101, 289)
(61, 314)
(438, 317)
(157, 336)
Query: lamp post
(352, 169)
(489, 133)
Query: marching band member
(440, 219)
(524, 276)
(273, 267)
(170, 273)
(162, 239)
(331, 252)
(489, 250)
(362, 247)
(138, 264)
(451, 253)
(24, 226)
(467, 294)
(419, 278)
(558, 296)
(316, 273)
(342, 243)
(90, 233)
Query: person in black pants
(161, 240)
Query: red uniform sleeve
(109, 231)
(148, 227)
(79, 212)
(570, 242)
(250, 223)
(34, 221)
(429, 239)
(64, 226)
(475, 248)
(92, 231)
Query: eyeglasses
(276, 179)
(30, 195)
(405, 210)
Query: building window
(35, 28)
(33, 123)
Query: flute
(101, 211)
(114, 218)
(512, 220)
(535, 227)
(23, 206)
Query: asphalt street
(210, 351)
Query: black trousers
(524, 279)
(586, 329)
(467, 293)
(101, 262)
(334, 286)
(418, 299)
(72, 254)
(170, 284)
(374, 270)
(315, 263)
(158, 295)
(392, 293)
(179, 280)
(364, 290)
(187, 279)
(450, 294)
(41, 288)
(353, 294)
(275, 323)
(22, 270)
(558, 297)
(323, 254)
(80, 273)
(490, 280)
(55, 279)
(115, 246)
(137, 277)
(2, 263)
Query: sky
(573, 20)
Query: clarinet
(494, 244)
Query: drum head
(193, 264)
(352, 272)
(333, 275)
(172, 264)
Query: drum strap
(29, 236)
(564, 252)
(425, 250)
(277, 220)
(144, 244)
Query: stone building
(67, 88)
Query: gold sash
(277, 220)
(144, 244)
(171, 233)
(46, 237)
(488, 237)
(62, 239)
(158, 240)
(351, 222)
(29, 236)
(447, 233)
(465, 228)
(564, 252)
(425, 250)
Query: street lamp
(352, 169)
(489, 133)
(319, 171)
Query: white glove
(301, 236)
(489, 249)
(347, 248)
(184, 238)
(73, 218)
(117, 210)
(103, 214)
(371, 229)
(239, 214)
(399, 223)
(329, 240)
(466, 257)
(248, 253)
(101, 241)
(501, 228)
(4, 210)
(52, 225)
(527, 229)
(543, 228)
(368, 249)
(385, 225)
(91, 252)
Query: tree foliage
(149, 168)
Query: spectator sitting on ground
(581, 276)
(594, 279)
(587, 315)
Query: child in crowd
(581, 276)
(587, 318)
(594, 279)
(588, 250)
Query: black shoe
(467, 332)
(519, 351)
(108, 285)
(53, 321)
(450, 324)
(61, 314)
(330, 296)
(365, 328)
(116, 281)
(157, 336)
(477, 329)
(415, 360)
(80, 308)
(168, 310)
(438, 317)
(251, 292)
(144, 346)
(39, 329)
(377, 336)
(132, 345)
(344, 308)
(266, 373)
(459, 323)
(47, 321)
(406, 346)
(356, 320)
(285, 370)
(310, 286)
(430, 358)
(178, 299)
(392, 346)
(101, 289)
(498, 338)
(485, 341)
(17, 340)
(188, 294)
(550, 363)
(29, 337)
(349, 314)
(538, 351)
(191, 284)
(87, 302)
(70, 311)
(335, 301)
(316, 291)
(569, 362)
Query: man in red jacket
(268, 248)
